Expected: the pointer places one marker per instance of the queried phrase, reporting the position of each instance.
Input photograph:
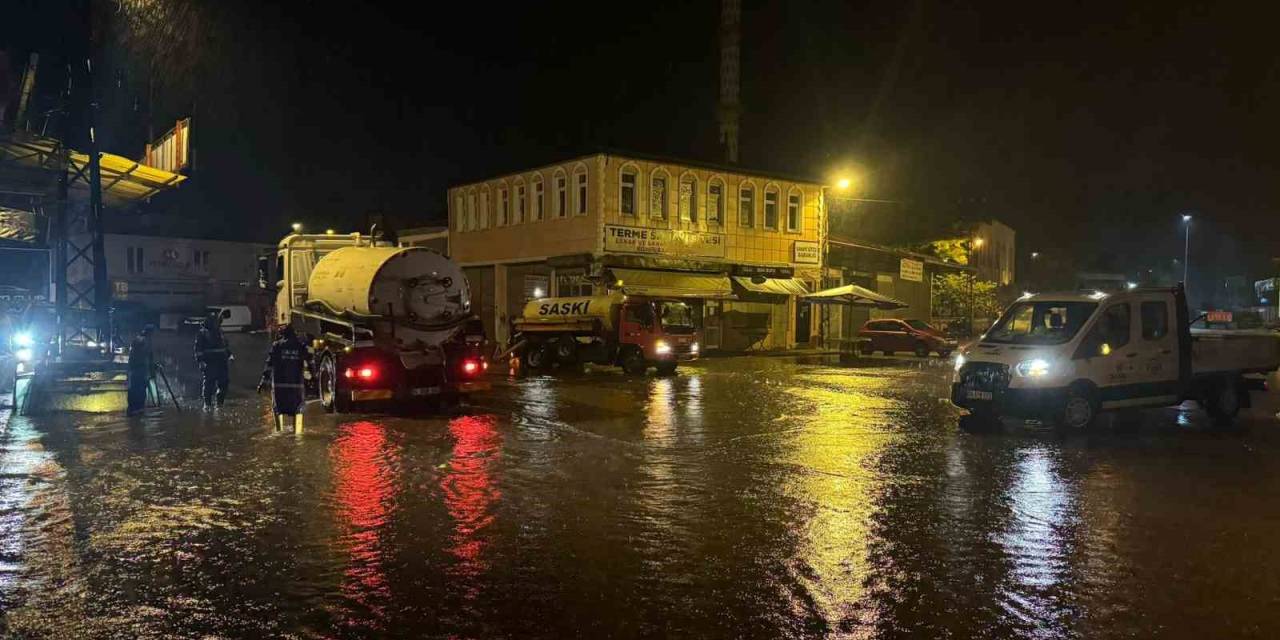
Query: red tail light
(470, 367)
(363, 373)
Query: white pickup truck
(1065, 357)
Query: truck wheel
(1079, 410)
(633, 362)
(567, 350)
(666, 368)
(331, 393)
(1223, 403)
(536, 357)
(922, 350)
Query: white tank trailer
(385, 323)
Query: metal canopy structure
(646, 282)
(124, 181)
(855, 296)
(40, 170)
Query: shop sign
(912, 270)
(805, 252)
(764, 272)
(669, 242)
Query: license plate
(974, 394)
(424, 391)
(468, 387)
(372, 394)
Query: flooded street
(750, 497)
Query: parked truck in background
(385, 323)
(633, 332)
(1065, 357)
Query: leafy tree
(953, 293)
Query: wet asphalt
(755, 497)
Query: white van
(235, 317)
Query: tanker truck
(633, 332)
(385, 323)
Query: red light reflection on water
(365, 468)
(469, 491)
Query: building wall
(996, 257)
(166, 273)
(478, 234)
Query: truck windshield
(676, 314)
(1047, 322)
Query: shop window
(658, 195)
(771, 209)
(535, 286)
(715, 202)
(572, 283)
(794, 210)
(627, 192)
(746, 207)
(689, 199)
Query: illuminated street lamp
(1186, 252)
(843, 184)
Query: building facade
(178, 274)
(741, 247)
(995, 252)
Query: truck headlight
(661, 347)
(1037, 368)
(24, 339)
(24, 355)
(693, 348)
(959, 361)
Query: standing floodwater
(751, 497)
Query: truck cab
(1065, 357)
(633, 332)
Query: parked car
(235, 317)
(892, 335)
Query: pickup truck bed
(1217, 351)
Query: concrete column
(500, 327)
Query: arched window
(628, 189)
(715, 201)
(580, 190)
(795, 210)
(746, 204)
(560, 183)
(539, 198)
(473, 221)
(688, 198)
(771, 206)
(504, 205)
(520, 201)
(484, 207)
(659, 196)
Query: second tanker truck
(385, 323)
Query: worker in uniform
(214, 358)
(286, 370)
(141, 369)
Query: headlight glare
(959, 361)
(661, 347)
(1037, 368)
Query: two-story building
(741, 246)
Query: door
(1110, 355)
(803, 309)
(1157, 348)
(637, 323)
(711, 324)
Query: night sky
(1089, 127)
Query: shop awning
(853, 295)
(776, 286)
(675, 284)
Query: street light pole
(1186, 254)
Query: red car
(892, 335)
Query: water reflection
(470, 492)
(365, 467)
(1041, 513)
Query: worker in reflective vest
(214, 358)
(288, 364)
